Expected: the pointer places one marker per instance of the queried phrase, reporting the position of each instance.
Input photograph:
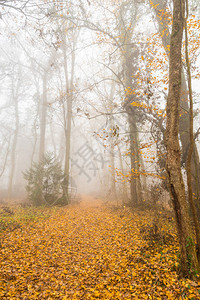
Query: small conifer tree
(45, 182)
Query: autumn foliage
(92, 252)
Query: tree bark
(133, 150)
(124, 188)
(162, 17)
(191, 146)
(188, 258)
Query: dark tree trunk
(188, 258)
(160, 7)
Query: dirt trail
(90, 201)
(85, 251)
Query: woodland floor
(89, 251)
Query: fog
(86, 81)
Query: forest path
(86, 251)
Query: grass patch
(12, 218)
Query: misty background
(64, 64)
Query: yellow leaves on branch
(136, 173)
(154, 108)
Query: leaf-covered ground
(91, 252)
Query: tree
(164, 20)
(188, 258)
(15, 98)
(45, 182)
(129, 53)
(192, 144)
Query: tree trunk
(112, 188)
(136, 195)
(53, 140)
(124, 188)
(160, 7)
(127, 52)
(68, 117)
(43, 118)
(67, 147)
(14, 144)
(191, 146)
(188, 258)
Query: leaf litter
(92, 252)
